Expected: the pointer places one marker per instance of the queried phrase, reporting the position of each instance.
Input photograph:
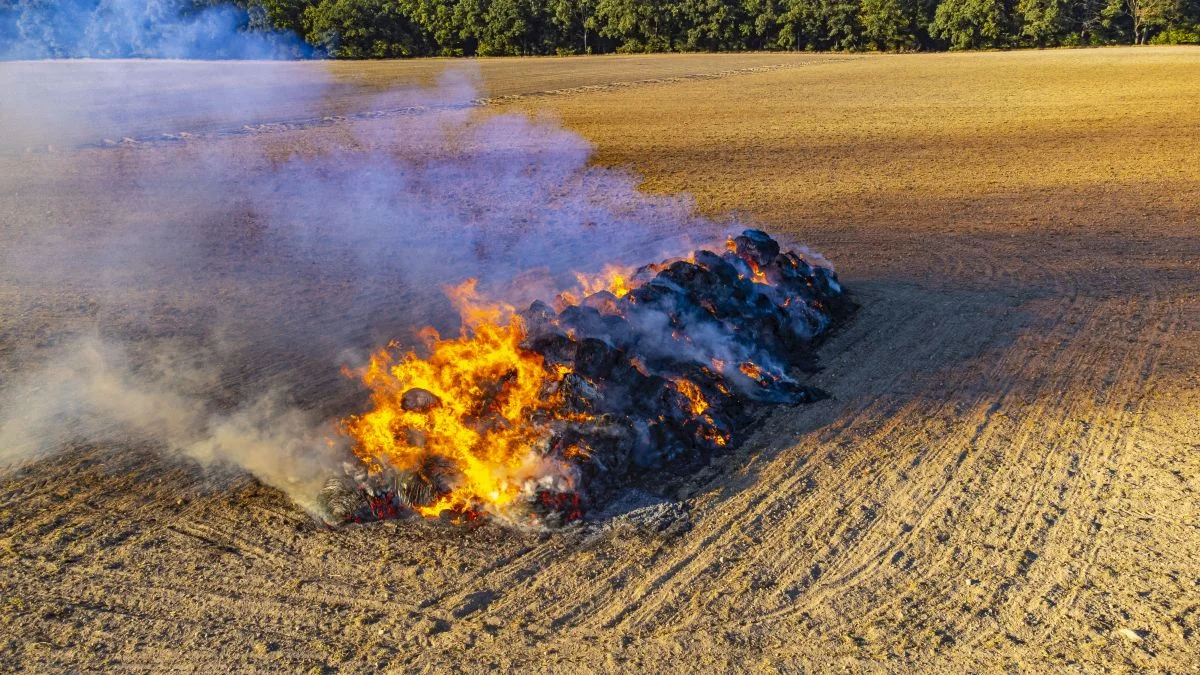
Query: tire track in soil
(982, 435)
(1033, 543)
(1135, 374)
(770, 497)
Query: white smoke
(169, 29)
(92, 392)
(226, 281)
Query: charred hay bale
(791, 267)
(419, 400)
(656, 293)
(587, 321)
(689, 276)
(706, 435)
(657, 444)
(783, 390)
(756, 245)
(341, 498)
(538, 319)
(595, 359)
(617, 330)
(584, 320)
(619, 391)
(723, 399)
(364, 499)
(424, 484)
(804, 322)
(604, 302)
(826, 283)
(553, 509)
(579, 396)
(415, 438)
(607, 443)
(647, 393)
(556, 348)
(726, 274)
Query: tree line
(402, 28)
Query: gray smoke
(169, 29)
(205, 295)
(93, 393)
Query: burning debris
(529, 416)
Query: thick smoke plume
(94, 394)
(169, 29)
(204, 295)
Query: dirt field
(1006, 477)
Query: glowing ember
(692, 392)
(751, 370)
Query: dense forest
(402, 28)
(390, 28)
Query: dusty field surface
(1006, 477)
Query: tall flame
(485, 392)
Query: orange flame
(692, 392)
(710, 433)
(483, 421)
(615, 280)
(487, 390)
(751, 370)
(757, 275)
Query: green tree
(760, 23)
(286, 14)
(378, 28)
(972, 24)
(1087, 23)
(1043, 22)
(638, 25)
(505, 29)
(436, 21)
(799, 24)
(1150, 16)
(843, 31)
(357, 29)
(575, 21)
(821, 25)
(889, 25)
(710, 25)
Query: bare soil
(1006, 477)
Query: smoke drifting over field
(171, 29)
(223, 289)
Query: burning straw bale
(531, 416)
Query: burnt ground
(1005, 475)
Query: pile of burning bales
(530, 417)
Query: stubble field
(1007, 474)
